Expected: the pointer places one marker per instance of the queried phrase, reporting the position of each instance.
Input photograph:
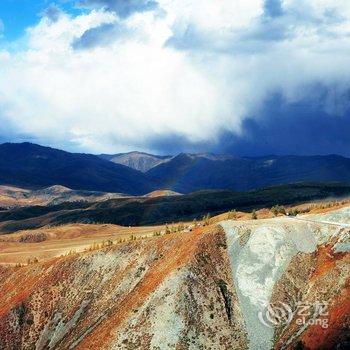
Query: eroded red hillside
(131, 295)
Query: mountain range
(32, 166)
(187, 173)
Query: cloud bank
(179, 75)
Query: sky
(248, 78)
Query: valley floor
(47, 243)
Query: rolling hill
(12, 197)
(136, 211)
(32, 166)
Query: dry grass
(46, 243)
(316, 207)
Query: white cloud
(137, 87)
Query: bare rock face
(239, 285)
(137, 160)
(291, 280)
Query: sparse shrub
(94, 246)
(274, 210)
(307, 209)
(278, 209)
(294, 212)
(32, 261)
(180, 227)
(254, 215)
(206, 219)
(21, 313)
(232, 214)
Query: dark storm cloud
(315, 126)
(303, 128)
(99, 36)
(124, 8)
(176, 143)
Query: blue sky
(17, 15)
(246, 77)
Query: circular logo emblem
(275, 315)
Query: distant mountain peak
(137, 160)
(145, 161)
